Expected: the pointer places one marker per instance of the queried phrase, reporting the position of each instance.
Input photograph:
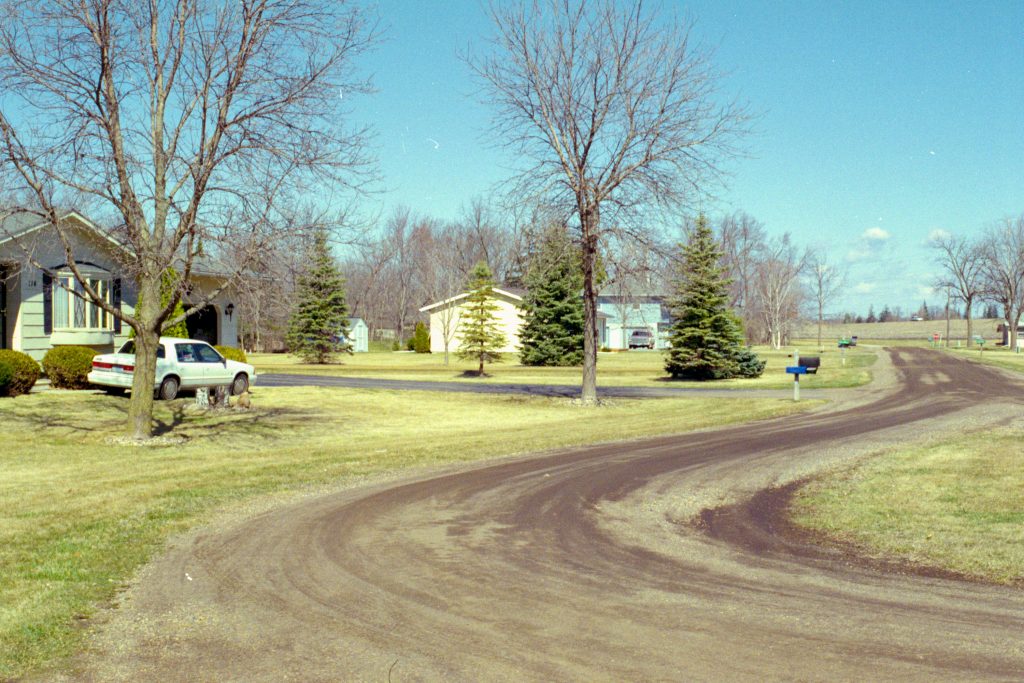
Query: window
(73, 311)
(129, 348)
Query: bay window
(73, 310)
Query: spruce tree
(481, 338)
(552, 332)
(318, 328)
(706, 339)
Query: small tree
(421, 339)
(482, 339)
(319, 324)
(552, 332)
(706, 341)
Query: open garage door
(202, 325)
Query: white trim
(86, 223)
(464, 295)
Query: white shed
(358, 335)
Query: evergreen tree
(871, 315)
(420, 342)
(168, 281)
(552, 332)
(706, 339)
(481, 338)
(319, 323)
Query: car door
(189, 367)
(214, 367)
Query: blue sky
(880, 122)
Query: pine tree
(481, 337)
(706, 339)
(420, 340)
(552, 332)
(319, 323)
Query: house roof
(507, 293)
(20, 224)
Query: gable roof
(22, 223)
(515, 298)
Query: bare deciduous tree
(1002, 271)
(611, 110)
(825, 280)
(961, 260)
(186, 122)
(777, 287)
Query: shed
(358, 335)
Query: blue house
(621, 310)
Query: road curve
(564, 567)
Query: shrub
(23, 370)
(231, 353)
(68, 366)
(420, 342)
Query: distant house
(445, 316)
(43, 307)
(623, 309)
(1004, 330)
(358, 335)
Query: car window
(186, 353)
(129, 348)
(206, 353)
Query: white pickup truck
(180, 364)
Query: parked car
(180, 364)
(641, 339)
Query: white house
(622, 310)
(40, 307)
(446, 315)
(358, 335)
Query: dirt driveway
(581, 565)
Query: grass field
(80, 511)
(997, 356)
(957, 504)
(921, 330)
(634, 368)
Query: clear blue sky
(880, 122)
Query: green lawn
(957, 504)
(633, 368)
(80, 510)
(993, 355)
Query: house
(1004, 330)
(358, 335)
(445, 316)
(40, 309)
(622, 309)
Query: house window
(76, 311)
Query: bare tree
(962, 261)
(825, 280)
(1002, 271)
(611, 110)
(444, 276)
(187, 122)
(777, 287)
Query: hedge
(231, 353)
(68, 366)
(23, 373)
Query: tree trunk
(821, 348)
(970, 323)
(140, 407)
(589, 220)
(1013, 319)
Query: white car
(180, 364)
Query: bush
(68, 366)
(231, 353)
(420, 342)
(23, 372)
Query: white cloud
(875, 235)
(925, 291)
(938, 234)
(864, 287)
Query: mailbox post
(796, 370)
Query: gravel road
(583, 565)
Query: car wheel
(168, 389)
(240, 385)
